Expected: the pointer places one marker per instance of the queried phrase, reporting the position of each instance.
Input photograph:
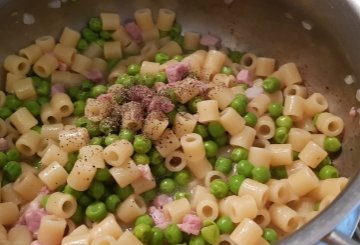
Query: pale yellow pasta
(328, 187)
(227, 81)
(73, 139)
(245, 138)
(46, 43)
(295, 167)
(193, 146)
(81, 175)
(279, 191)
(24, 88)
(191, 40)
(176, 210)
(118, 153)
(62, 205)
(122, 36)
(248, 61)
(94, 50)
(265, 127)
(155, 125)
(126, 174)
(239, 208)
(295, 89)
(53, 176)
(165, 19)
(27, 168)
(112, 50)
(196, 61)
(261, 143)
(129, 238)
(144, 19)
(246, 233)
(264, 66)
(110, 21)
(213, 175)
(225, 240)
(99, 65)
(28, 143)
(207, 209)
(96, 110)
(326, 201)
(222, 95)
(149, 50)
(164, 40)
(8, 194)
(171, 48)
(200, 193)
(259, 105)
(281, 154)
(259, 191)
(186, 90)
(290, 74)
(262, 218)
(307, 124)
(23, 120)
(318, 139)
(141, 185)
(298, 138)
(175, 161)
(3, 235)
(167, 143)
(303, 205)
(11, 138)
(51, 131)
(45, 65)
(132, 48)
(92, 154)
(232, 122)
(66, 78)
(76, 239)
(17, 64)
(118, 70)
(107, 227)
(213, 63)
(54, 153)
(148, 67)
(307, 217)
(61, 104)
(208, 111)
(51, 230)
(131, 208)
(3, 128)
(294, 107)
(69, 37)
(28, 186)
(312, 154)
(199, 168)
(19, 235)
(152, 35)
(284, 217)
(10, 79)
(184, 124)
(64, 53)
(303, 181)
(260, 156)
(104, 240)
(329, 124)
(9, 213)
(276, 97)
(81, 64)
(262, 241)
(32, 53)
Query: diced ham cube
(145, 171)
(95, 76)
(63, 66)
(162, 200)
(191, 224)
(134, 31)
(177, 72)
(138, 93)
(245, 76)
(4, 145)
(160, 103)
(253, 92)
(108, 97)
(57, 88)
(158, 217)
(210, 41)
(32, 216)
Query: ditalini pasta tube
(129, 238)
(19, 235)
(298, 138)
(118, 153)
(208, 111)
(92, 154)
(28, 186)
(73, 139)
(193, 146)
(329, 124)
(244, 139)
(125, 174)
(246, 233)
(9, 213)
(131, 208)
(281, 154)
(23, 120)
(328, 187)
(51, 230)
(176, 210)
(222, 95)
(232, 121)
(303, 181)
(61, 204)
(213, 63)
(259, 191)
(238, 208)
(81, 175)
(260, 156)
(284, 217)
(107, 227)
(167, 143)
(53, 176)
(184, 124)
(312, 154)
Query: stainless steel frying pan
(321, 36)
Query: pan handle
(337, 238)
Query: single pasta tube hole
(248, 61)
(293, 223)
(40, 70)
(112, 156)
(259, 219)
(292, 91)
(320, 100)
(282, 193)
(67, 206)
(64, 108)
(214, 177)
(190, 139)
(264, 129)
(207, 211)
(175, 161)
(139, 202)
(333, 126)
(51, 119)
(22, 65)
(25, 148)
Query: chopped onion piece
(349, 79)
(28, 19)
(306, 25)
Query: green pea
(124, 192)
(210, 233)
(69, 190)
(222, 140)
(159, 170)
(5, 112)
(170, 93)
(122, 79)
(12, 170)
(86, 85)
(179, 194)
(89, 35)
(275, 110)
(98, 90)
(226, 70)
(250, 119)
(332, 144)
(192, 104)
(78, 216)
(149, 195)
(111, 138)
(271, 84)
(95, 24)
(270, 235)
(148, 80)
(211, 148)
(100, 42)
(142, 144)
(219, 188)
(96, 211)
(216, 129)
(239, 153)
(112, 202)
(97, 141)
(12, 102)
(167, 186)
(181, 108)
(105, 35)
(73, 92)
(96, 189)
(244, 167)
(161, 77)
(155, 157)
(72, 157)
(13, 155)
(179, 40)
(326, 161)
(278, 172)
(133, 69)
(141, 158)
(239, 104)
(161, 57)
(261, 174)
(36, 81)
(144, 219)
(3, 159)
(202, 131)
(223, 165)
(234, 183)
(182, 177)
(102, 174)
(178, 58)
(175, 30)
(197, 240)
(93, 129)
(284, 121)
(225, 225)
(173, 234)
(44, 89)
(328, 172)
(281, 135)
(79, 108)
(44, 200)
(82, 95)
(82, 45)
(127, 134)
(235, 56)
(33, 107)
(82, 122)
(157, 236)
(85, 200)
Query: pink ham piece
(191, 224)
(57, 88)
(158, 86)
(245, 76)
(63, 66)
(95, 76)
(36, 242)
(162, 200)
(177, 72)
(4, 145)
(32, 216)
(134, 31)
(139, 93)
(158, 217)
(253, 92)
(108, 97)
(160, 103)
(210, 41)
(145, 171)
